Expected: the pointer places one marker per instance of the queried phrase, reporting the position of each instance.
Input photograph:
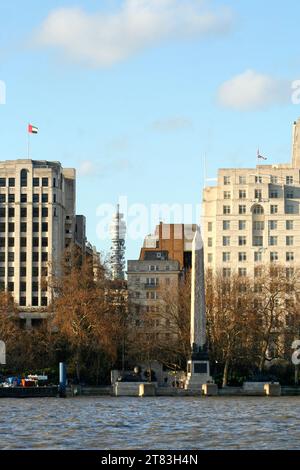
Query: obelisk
(198, 366)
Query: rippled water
(150, 423)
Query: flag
(32, 129)
(260, 156)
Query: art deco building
(37, 223)
(252, 216)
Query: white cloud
(172, 124)
(89, 168)
(251, 91)
(102, 39)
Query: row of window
(34, 301)
(256, 225)
(24, 198)
(23, 271)
(23, 242)
(242, 257)
(23, 212)
(23, 227)
(273, 194)
(289, 209)
(36, 182)
(259, 179)
(36, 255)
(256, 241)
(242, 272)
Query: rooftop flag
(32, 129)
(260, 156)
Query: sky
(136, 94)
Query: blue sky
(133, 93)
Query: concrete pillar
(210, 390)
(147, 390)
(272, 390)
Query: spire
(117, 251)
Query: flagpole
(28, 143)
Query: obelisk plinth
(198, 366)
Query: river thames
(108, 423)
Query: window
(226, 224)
(290, 209)
(11, 256)
(23, 197)
(2, 211)
(227, 195)
(23, 256)
(226, 209)
(258, 179)
(242, 256)
(24, 178)
(35, 212)
(45, 257)
(10, 286)
(2, 227)
(54, 182)
(242, 241)
(11, 227)
(36, 197)
(2, 271)
(274, 209)
(226, 272)
(11, 272)
(289, 194)
(226, 180)
(289, 256)
(242, 272)
(23, 227)
(54, 198)
(35, 286)
(45, 227)
(11, 241)
(289, 179)
(35, 256)
(36, 182)
(35, 241)
(226, 257)
(257, 272)
(273, 241)
(242, 224)
(257, 241)
(22, 301)
(11, 182)
(273, 224)
(45, 182)
(23, 211)
(45, 272)
(35, 227)
(209, 260)
(257, 256)
(289, 224)
(45, 197)
(35, 301)
(23, 271)
(44, 301)
(258, 210)
(289, 240)
(209, 226)
(45, 243)
(45, 212)
(274, 179)
(35, 271)
(11, 198)
(2, 242)
(273, 256)
(242, 209)
(11, 212)
(23, 286)
(242, 194)
(2, 198)
(2, 257)
(289, 272)
(242, 179)
(209, 242)
(226, 241)
(23, 242)
(258, 225)
(2, 182)
(257, 194)
(273, 194)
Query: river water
(150, 423)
